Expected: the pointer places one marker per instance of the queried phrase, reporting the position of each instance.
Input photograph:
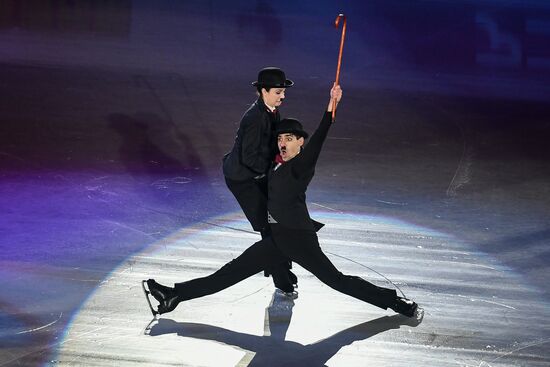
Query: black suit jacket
(287, 184)
(254, 146)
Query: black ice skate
(404, 306)
(167, 297)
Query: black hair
(260, 87)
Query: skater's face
(289, 145)
(274, 97)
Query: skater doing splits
(293, 232)
(245, 167)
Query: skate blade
(149, 327)
(147, 294)
(291, 295)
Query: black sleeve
(307, 158)
(252, 155)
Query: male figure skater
(245, 166)
(293, 232)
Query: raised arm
(307, 159)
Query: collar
(270, 109)
(267, 108)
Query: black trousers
(251, 195)
(299, 246)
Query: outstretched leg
(253, 260)
(303, 248)
(257, 257)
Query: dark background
(114, 116)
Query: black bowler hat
(291, 126)
(273, 78)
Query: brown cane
(336, 23)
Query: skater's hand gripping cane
(335, 97)
(337, 82)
